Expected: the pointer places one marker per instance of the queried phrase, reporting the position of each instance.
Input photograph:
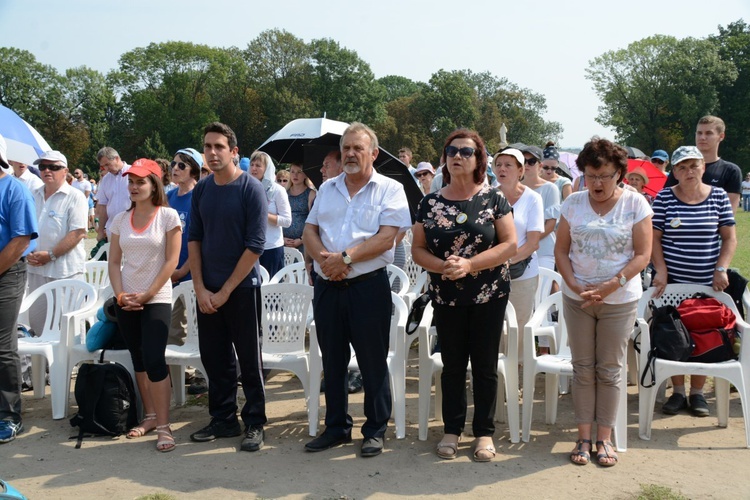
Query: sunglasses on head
(179, 164)
(465, 152)
(530, 161)
(54, 168)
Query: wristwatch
(347, 259)
(721, 269)
(622, 280)
(52, 256)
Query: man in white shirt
(113, 196)
(22, 173)
(81, 183)
(61, 214)
(350, 235)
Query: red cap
(142, 167)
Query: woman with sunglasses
(186, 171)
(283, 178)
(551, 171)
(528, 219)
(279, 211)
(301, 196)
(464, 237)
(603, 243)
(143, 254)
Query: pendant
(461, 218)
(675, 223)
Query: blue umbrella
(25, 144)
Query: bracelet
(119, 296)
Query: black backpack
(669, 339)
(106, 400)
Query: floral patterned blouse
(465, 228)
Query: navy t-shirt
(720, 173)
(227, 220)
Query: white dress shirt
(113, 192)
(345, 222)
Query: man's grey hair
(108, 152)
(357, 127)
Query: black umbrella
(634, 152)
(285, 146)
(386, 164)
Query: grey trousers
(12, 286)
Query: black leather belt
(358, 279)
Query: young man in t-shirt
(719, 173)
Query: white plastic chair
(292, 255)
(724, 373)
(291, 273)
(66, 300)
(403, 279)
(102, 249)
(556, 365)
(264, 276)
(179, 357)
(546, 278)
(97, 274)
(396, 369)
(431, 366)
(284, 318)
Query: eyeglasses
(54, 168)
(180, 165)
(599, 178)
(465, 152)
(530, 161)
(549, 169)
(282, 180)
(422, 174)
(657, 160)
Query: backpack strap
(650, 365)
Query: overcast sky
(544, 46)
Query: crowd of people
(484, 229)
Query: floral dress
(465, 228)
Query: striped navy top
(690, 234)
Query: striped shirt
(690, 234)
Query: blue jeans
(746, 202)
(12, 285)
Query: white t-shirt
(82, 185)
(551, 201)
(528, 215)
(601, 246)
(144, 252)
(113, 192)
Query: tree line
(159, 97)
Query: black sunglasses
(54, 168)
(423, 174)
(465, 152)
(657, 160)
(530, 161)
(179, 164)
(549, 168)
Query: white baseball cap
(52, 156)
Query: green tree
(654, 91)
(397, 87)
(733, 43)
(25, 83)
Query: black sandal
(580, 453)
(603, 458)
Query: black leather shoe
(253, 440)
(217, 429)
(326, 441)
(698, 405)
(372, 447)
(674, 404)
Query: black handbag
(416, 313)
(669, 339)
(518, 268)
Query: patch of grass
(157, 496)
(656, 492)
(741, 258)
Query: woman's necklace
(602, 204)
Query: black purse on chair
(669, 339)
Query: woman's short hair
(480, 153)
(599, 152)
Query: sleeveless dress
(300, 211)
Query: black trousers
(470, 333)
(358, 313)
(12, 286)
(145, 333)
(234, 328)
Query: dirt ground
(690, 456)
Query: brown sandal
(166, 440)
(452, 446)
(604, 457)
(479, 450)
(580, 453)
(140, 430)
